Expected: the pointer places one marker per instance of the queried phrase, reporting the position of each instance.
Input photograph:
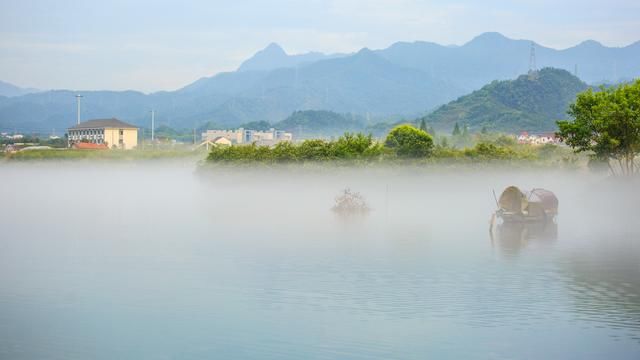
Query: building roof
(224, 139)
(103, 123)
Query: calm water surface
(154, 262)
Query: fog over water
(158, 261)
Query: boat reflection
(512, 237)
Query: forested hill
(320, 123)
(532, 104)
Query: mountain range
(403, 80)
(9, 90)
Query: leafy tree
(284, 151)
(423, 125)
(315, 149)
(444, 142)
(465, 131)
(407, 141)
(356, 146)
(606, 123)
(432, 131)
(456, 130)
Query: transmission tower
(533, 68)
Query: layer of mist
(134, 261)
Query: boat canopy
(546, 198)
(515, 201)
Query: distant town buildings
(7, 136)
(245, 136)
(538, 139)
(108, 133)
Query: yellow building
(113, 133)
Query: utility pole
(78, 97)
(533, 68)
(153, 124)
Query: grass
(104, 155)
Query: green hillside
(513, 105)
(320, 123)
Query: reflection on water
(511, 237)
(127, 262)
(604, 283)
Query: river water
(130, 261)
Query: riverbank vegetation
(404, 144)
(98, 155)
(606, 125)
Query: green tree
(423, 125)
(444, 143)
(355, 146)
(315, 149)
(456, 130)
(407, 141)
(606, 123)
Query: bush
(409, 142)
(347, 147)
(356, 146)
(489, 151)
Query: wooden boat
(537, 205)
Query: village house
(107, 133)
(246, 136)
(537, 139)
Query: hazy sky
(151, 45)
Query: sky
(153, 45)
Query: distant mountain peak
(488, 37)
(10, 90)
(365, 51)
(274, 48)
(266, 59)
(274, 57)
(590, 43)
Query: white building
(537, 139)
(246, 136)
